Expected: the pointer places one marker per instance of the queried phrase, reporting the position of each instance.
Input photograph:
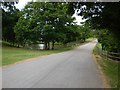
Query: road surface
(71, 69)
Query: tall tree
(45, 22)
(85, 31)
(10, 16)
(100, 15)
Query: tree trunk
(84, 39)
(53, 45)
(24, 43)
(48, 46)
(45, 45)
(18, 46)
(13, 43)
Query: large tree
(100, 15)
(47, 22)
(10, 16)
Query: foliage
(10, 16)
(101, 15)
(45, 22)
(40, 22)
(108, 40)
(84, 32)
(110, 68)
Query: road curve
(71, 69)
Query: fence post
(107, 55)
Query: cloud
(78, 19)
(21, 4)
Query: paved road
(71, 69)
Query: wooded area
(41, 22)
(53, 22)
(104, 18)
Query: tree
(21, 31)
(100, 15)
(47, 22)
(10, 16)
(85, 31)
(106, 38)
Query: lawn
(110, 68)
(11, 55)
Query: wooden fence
(108, 55)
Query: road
(71, 69)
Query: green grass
(99, 45)
(11, 55)
(110, 69)
(90, 39)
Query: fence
(108, 55)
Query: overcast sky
(22, 3)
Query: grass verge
(11, 55)
(110, 68)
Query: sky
(22, 3)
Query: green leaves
(45, 22)
(108, 40)
(102, 15)
(10, 16)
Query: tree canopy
(101, 15)
(45, 22)
(10, 16)
(51, 22)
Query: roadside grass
(11, 55)
(90, 39)
(110, 68)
